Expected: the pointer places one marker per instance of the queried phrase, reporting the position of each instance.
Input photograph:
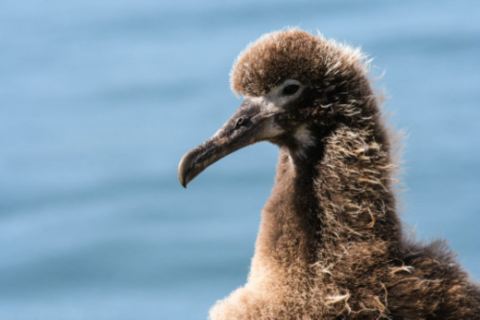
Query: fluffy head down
(293, 54)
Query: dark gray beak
(247, 126)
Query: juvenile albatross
(330, 244)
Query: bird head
(296, 87)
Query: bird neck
(337, 194)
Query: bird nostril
(239, 123)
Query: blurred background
(99, 100)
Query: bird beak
(251, 123)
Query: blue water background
(100, 99)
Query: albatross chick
(330, 244)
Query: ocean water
(99, 100)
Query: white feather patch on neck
(304, 140)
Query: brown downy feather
(330, 244)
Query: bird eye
(291, 89)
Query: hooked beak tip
(184, 169)
(183, 183)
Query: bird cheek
(271, 130)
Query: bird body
(330, 244)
